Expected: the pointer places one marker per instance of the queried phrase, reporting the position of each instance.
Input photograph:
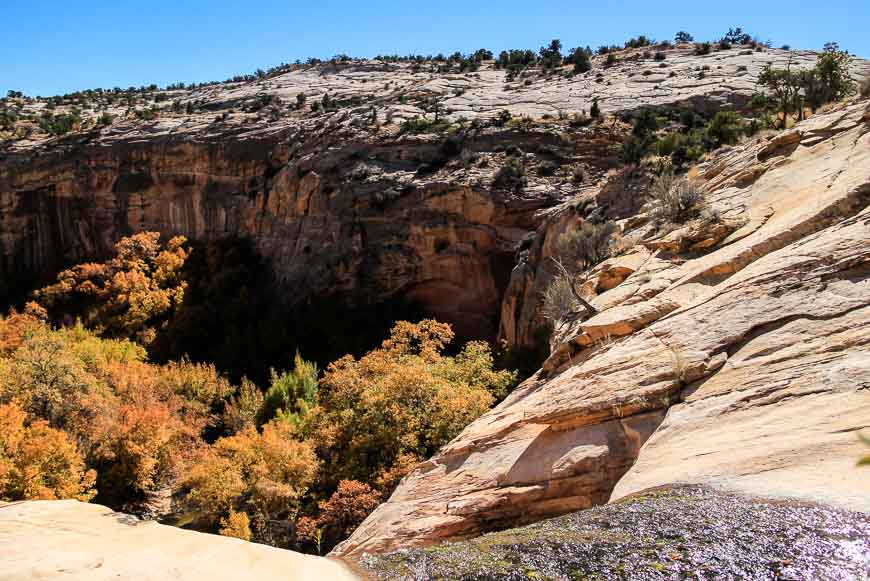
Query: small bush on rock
(511, 176)
(547, 168)
(339, 516)
(558, 300)
(587, 245)
(595, 110)
(675, 200)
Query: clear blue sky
(51, 47)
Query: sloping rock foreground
(743, 363)
(686, 533)
(73, 540)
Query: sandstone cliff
(335, 202)
(733, 353)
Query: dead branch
(571, 283)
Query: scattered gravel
(687, 532)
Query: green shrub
(291, 394)
(579, 57)
(526, 242)
(725, 128)
(646, 122)
(547, 168)
(633, 150)
(736, 36)
(511, 176)
(550, 56)
(59, 124)
(639, 42)
(422, 125)
(681, 147)
(145, 114)
(703, 48)
(503, 117)
(832, 69)
(8, 117)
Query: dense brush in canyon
(640, 268)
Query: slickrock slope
(336, 203)
(73, 540)
(732, 352)
(682, 532)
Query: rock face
(73, 540)
(736, 355)
(337, 203)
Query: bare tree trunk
(583, 302)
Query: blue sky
(51, 47)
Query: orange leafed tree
(265, 473)
(126, 296)
(135, 423)
(348, 506)
(400, 403)
(39, 462)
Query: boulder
(67, 539)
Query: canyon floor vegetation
(299, 462)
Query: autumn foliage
(263, 472)
(84, 414)
(37, 461)
(338, 516)
(127, 296)
(132, 422)
(400, 403)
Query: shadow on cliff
(235, 315)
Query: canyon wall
(732, 352)
(343, 202)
